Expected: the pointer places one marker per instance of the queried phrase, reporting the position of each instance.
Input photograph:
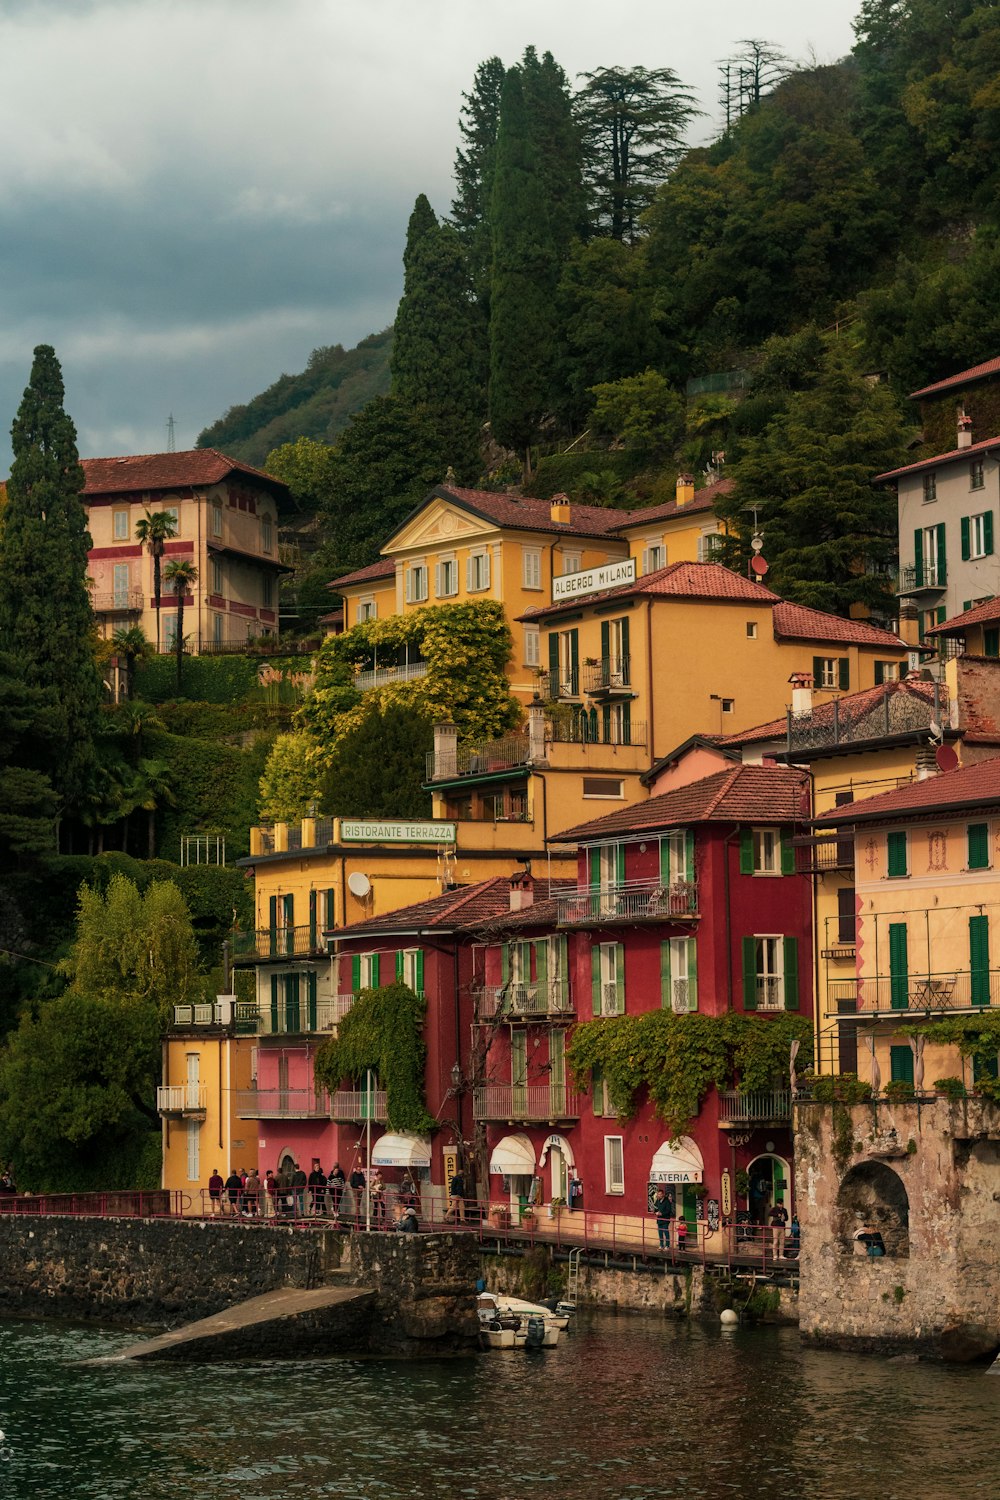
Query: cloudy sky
(196, 193)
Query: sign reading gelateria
(382, 831)
(593, 580)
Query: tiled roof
(703, 500)
(852, 709)
(693, 742)
(964, 377)
(796, 622)
(740, 794)
(384, 568)
(679, 580)
(968, 786)
(135, 473)
(538, 914)
(941, 458)
(981, 615)
(522, 513)
(468, 906)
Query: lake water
(626, 1408)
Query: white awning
(401, 1150)
(563, 1145)
(514, 1156)
(678, 1161)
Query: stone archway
(872, 1192)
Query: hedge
(559, 473)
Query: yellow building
(226, 520)
(928, 917)
(684, 529)
(206, 1065)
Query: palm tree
(153, 531)
(182, 575)
(130, 641)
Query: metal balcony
(514, 1103)
(291, 1018)
(816, 856)
(609, 676)
(562, 684)
(382, 676)
(279, 942)
(355, 1106)
(770, 992)
(181, 1099)
(631, 901)
(774, 1108)
(916, 994)
(283, 1104)
(119, 602)
(523, 1002)
(922, 578)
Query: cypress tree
(474, 165)
(558, 145)
(525, 277)
(438, 355)
(46, 620)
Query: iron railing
(562, 684)
(587, 727)
(282, 1104)
(357, 1105)
(815, 856)
(897, 710)
(289, 1018)
(630, 901)
(119, 602)
(607, 674)
(890, 995)
(280, 942)
(929, 575)
(764, 1108)
(770, 992)
(529, 1101)
(181, 1098)
(382, 676)
(516, 1001)
(683, 995)
(482, 756)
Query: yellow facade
(205, 1067)
(682, 531)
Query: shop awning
(563, 1145)
(678, 1161)
(401, 1150)
(514, 1156)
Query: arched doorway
(770, 1182)
(559, 1154)
(872, 1194)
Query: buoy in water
(727, 1317)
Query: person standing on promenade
(251, 1193)
(778, 1218)
(215, 1186)
(456, 1200)
(317, 1186)
(270, 1194)
(234, 1191)
(300, 1182)
(358, 1185)
(663, 1208)
(336, 1182)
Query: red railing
(156, 1203)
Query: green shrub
(899, 1090)
(560, 473)
(951, 1088)
(844, 1088)
(206, 679)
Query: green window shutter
(293, 1020)
(594, 856)
(817, 671)
(541, 960)
(966, 605)
(554, 652)
(879, 673)
(991, 642)
(844, 673)
(689, 854)
(899, 968)
(605, 641)
(504, 963)
(574, 658)
(979, 959)
(746, 851)
(597, 1088)
(896, 853)
(664, 862)
(289, 910)
(595, 979)
(330, 914)
(274, 1002)
(355, 972)
(419, 966)
(942, 614)
(791, 946)
(692, 973)
(966, 540)
(979, 846)
(311, 999)
(620, 863)
(562, 958)
(400, 964)
(273, 925)
(942, 565)
(376, 970)
(749, 973)
(901, 1064)
(918, 556)
(626, 722)
(626, 653)
(313, 924)
(988, 533)
(620, 975)
(787, 857)
(606, 723)
(665, 997)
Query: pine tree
(46, 618)
(558, 146)
(525, 277)
(439, 351)
(474, 165)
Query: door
(194, 1150)
(688, 1210)
(519, 1074)
(557, 1074)
(559, 1175)
(193, 1080)
(121, 585)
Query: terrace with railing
(610, 674)
(524, 1002)
(355, 1106)
(279, 942)
(922, 575)
(381, 676)
(772, 1107)
(898, 709)
(969, 990)
(483, 756)
(182, 1099)
(118, 602)
(542, 1102)
(629, 901)
(283, 1104)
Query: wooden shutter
(918, 556)
(746, 851)
(620, 863)
(692, 973)
(791, 947)
(988, 534)
(666, 998)
(311, 1000)
(879, 673)
(966, 540)
(313, 923)
(645, 561)
(620, 977)
(554, 663)
(355, 972)
(437, 580)
(330, 914)
(749, 973)
(689, 854)
(787, 856)
(400, 964)
(504, 963)
(541, 948)
(843, 673)
(979, 846)
(605, 648)
(595, 979)
(899, 970)
(376, 969)
(597, 1092)
(901, 1064)
(896, 853)
(626, 722)
(625, 664)
(273, 926)
(419, 972)
(274, 1003)
(818, 671)
(664, 861)
(942, 564)
(979, 959)
(574, 660)
(293, 1020)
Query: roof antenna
(171, 441)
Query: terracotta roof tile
(964, 377)
(967, 786)
(941, 458)
(523, 513)
(135, 473)
(982, 614)
(384, 568)
(452, 911)
(796, 622)
(704, 499)
(739, 794)
(679, 580)
(852, 709)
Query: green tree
(474, 165)
(153, 532)
(182, 575)
(643, 411)
(377, 770)
(555, 133)
(130, 641)
(290, 784)
(525, 277)
(46, 620)
(28, 802)
(632, 122)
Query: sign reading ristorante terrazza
(381, 831)
(594, 580)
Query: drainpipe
(649, 682)
(729, 919)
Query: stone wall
(425, 1290)
(927, 1176)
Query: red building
(689, 901)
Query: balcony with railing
(290, 1018)
(818, 856)
(118, 602)
(923, 577)
(564, 683)
(382, 676)
(609, 676)
(481, 757)
(898, 709)
(770, 992)
(612, 998)
(514, 1103)
(629, 901)
(279, 942)
(763, 1108)
(524, 1002)
(355, 1106)
(182, 1099)
(965, 990)
(283, 1104)
(588, 727)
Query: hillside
(317, 404)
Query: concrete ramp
(286, 1324)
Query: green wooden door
(899, 974)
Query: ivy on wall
(383, 1031)
(977, 1037)
(677, 1058)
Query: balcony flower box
(500, 1216)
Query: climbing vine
(977, 1037)
(383, 1031)
(677, 1058)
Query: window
(897, 862)
(169, 632)
(531, 563)
(607, 979)
(991, 642)
(708, 545)
(899, 967)
(886, 671)
(266, 534)
(216, 576)
(976, 481)
(217, 629)
(121, 526)
(367, 609)
(477, 572)
(766, 847)
(770, 973)
(979, 846)
(679, 975)
(173, 512)
(751, 630)
(564, 663)
(410, 968)
(416, 583)
(267, 592)
(979, 960)
(446, 578)
(832, 673)
(901, 1064)
(614, 1165)
(571, 562)
(654, 556)
(121, 582)
(930, 487)
(532, 646)
(930, 568)
(977, 536)
(216, 520)
(603, 786)
(366, 971)
(600, 1095)
(728, 705)
(846, 915)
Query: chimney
(927, 765)
(685, 488)
(445, 751)
(522, 890)
(964, 431)
(560, 509)
(909, 624)
(536, 731)
(802, 694)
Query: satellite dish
(758, 566)
(359, 885)
(946, 757)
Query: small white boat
(496, 1308)
(558, 1319)
(505, 1329)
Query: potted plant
(556, 1207)
(500, 1215)
(527, 1217)
(951, 1088)
(899, 1091)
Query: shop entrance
(770, 1180)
